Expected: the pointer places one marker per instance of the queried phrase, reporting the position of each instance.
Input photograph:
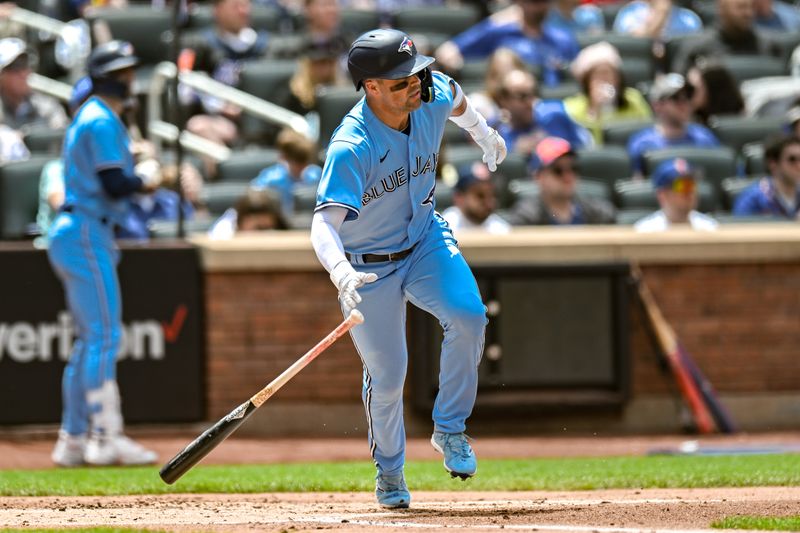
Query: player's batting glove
(347, 280)
(494, 149)
(149, 171)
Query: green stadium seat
(629, 46)
(560, 91)
(44, 140)
(618, 133)
(443, 195)
(448, 20)
(168, 229)
(606, 164)
(141, 25)
(266, 18)
(359, 20)
(267, 79)
(19, 196)
(305, 198)
(628, 217)
(333, 103)
(219, 196)
(459, 155)
(473, 72)
(637, 70)
(732, 187)
(529, 188)
(610, 13)
(736, 131)
(243, 166)
(514, 166)
(744, 67)
(640, 194)
(753, 155)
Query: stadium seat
(529, 188)
(262, 17)
(716, 163)
(168, 229)
(448, 20)
(610, 11)
(753, 155)
(459, 155)
(629, 46)
(731, 187)
(637, 70)
(605, 164)
(748, 67)
(141, 25)
(560, 91)
(473, 72)
(44, 140)
(305, 198)
(19, 196)
(360, 20)
(618, 133)
(627, 217)
(267, 80)
(640, 194)
(515, 166)
(454, 135)
(443, 195)
(736, 131)
(333, 103)
(243, 166)
(217, 197)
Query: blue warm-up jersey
(95, 140)
(384, 177)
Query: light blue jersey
(96, 140)
(373, 171)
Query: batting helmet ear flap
(426, 82)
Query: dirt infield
(582, 511)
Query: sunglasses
(561, 170)
(684, 185)
(680, 97)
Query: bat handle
(355, 317)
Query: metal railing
(201, 82)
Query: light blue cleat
(459, 459)
(392, 492)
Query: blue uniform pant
(84, 256)
(437, 279)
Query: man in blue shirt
(670, 97)
(530, 119)
(776, 16)
(778, 194)
(657, 19)
(577, 18)
(524, 30)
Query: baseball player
(376, 232)
(98, 176)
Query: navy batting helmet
(384, 54)
(111, 57)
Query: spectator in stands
(671, 100)
(715, 90)
(296, 168)
(734, 35)
(220, 52)
(474, 202)
(527, 119)
(775, 15)
(576, 17)
(22, 108)
(323, 23)
(777, 194)
(554, 166)
(258, 210)
(604, 98)
(675, 182)
(522, 28)
(487, 101)
(11, 146)
(657, 19)
(317, 68)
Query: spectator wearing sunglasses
(670, 97)
(778, 194)
(524, 28)
(474, 202)
(526, 119)
(675, 182)
(554, 168)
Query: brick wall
(739, 322)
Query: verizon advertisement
(160, 367)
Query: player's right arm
(328, 246)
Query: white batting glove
(149, 171)
(347, 280)
(494, 149)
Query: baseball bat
(669, 345)
(213, 436)
(722, 417)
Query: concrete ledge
(734, 243)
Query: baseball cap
(669, 85)
(10, 49)
(668, 171)
(548, 150)
(471, 174)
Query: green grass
(764, 523)
(493, 475)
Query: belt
(71, 209)
(381, 258)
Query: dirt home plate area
(628, 510)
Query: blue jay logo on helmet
(407, 46)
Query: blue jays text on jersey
(400, 177)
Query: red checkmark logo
(173, 328)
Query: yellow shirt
(578, 108)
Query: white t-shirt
(658, 222)
(457, 221)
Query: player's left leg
(439, 281)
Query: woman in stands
(604, 98)
(712, 77)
